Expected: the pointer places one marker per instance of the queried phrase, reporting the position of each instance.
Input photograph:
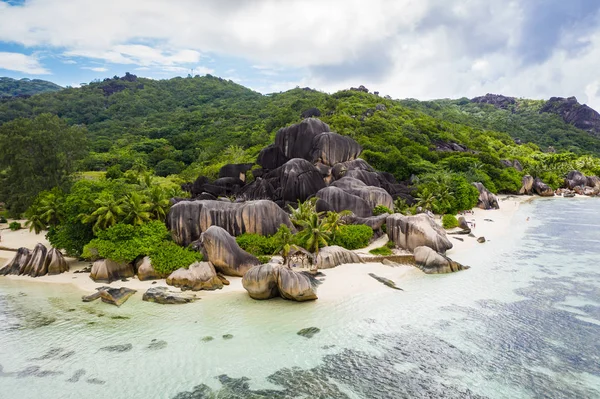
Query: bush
(449, 221)
(385, 250)
(114, 172)
(381, 209)
(257, 244)
(353, 236)
(264, 258)
(167, 257)
(14, 226)
(3, 219)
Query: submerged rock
(107, 271)
(225, 254)
(431, 262)
(116, 296)
(163, 295)
(117, 348)
(410, 232)
(385, 281)
(334, 255)
(198, 276)
(309, 332)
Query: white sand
(340, 282)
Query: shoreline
(339, 282)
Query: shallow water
(523, 322)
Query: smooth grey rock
(164, 295)
(410, 232)
(431, 262)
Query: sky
(422, 49)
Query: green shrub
(390, 244)
(449, 221)
(14, 226)
(385, 250)
(3, 219)
(353, 236)
(381, 209)
(114, 172)
(264, 258)
(167, 257)
(257, 244)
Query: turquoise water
(523, 322)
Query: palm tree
(108, 212)
(158, 203)
(135, 209)
(303, 211)
(313, 236)
(285, 242)
(49, 209)
(334, 221)
(34, 220)
(426, 199)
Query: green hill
(192, 126)
(25, 87)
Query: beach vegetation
(353, 236)
(449, 221)
(14, 226)
(381, 209)
(381, 251)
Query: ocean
(523, 322)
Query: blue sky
(405, 48)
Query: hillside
(193, 126)
(25, 87)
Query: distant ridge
(10, 87)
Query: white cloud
(69, 62)
(22, 63)
(96, 69)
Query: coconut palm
(303, 211)
(158, 203)
(333, 222)
(135, 210)
(34, 220)
(49, 209)
(285, 242)
(108, 212)
(313, 235)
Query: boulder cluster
(39, 262)
(575, 183)
(272, 280)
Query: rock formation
(374, 222)
(497, 100)
(221, 249)
(332, 148)
(188, 219)
(237, 171)
(372, 195)
(431, 262)
(298, 179)
(107, 271)
(271, 280)
(334, 255)
(339, 200)
(410, 232)
(526, 185)
(38, 262)
(296, 141)
(145, 271)
(113, 296)
(542, 189)
(486, 199)
(163, 295)
(574, 179)
(580, 116)
(198, 276)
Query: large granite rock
(372, 195)
(297, 180)
(188, 219)
(38, 262)
(486, 199)
(271, 157)
(332, 148)
(332, 256)
(410, 232)
(296, 141)
(593, 181)
(431, 262)
(198, 276)
(497, 100)
(116, 296)
(259, 189)
(271, 280)
(163, 295)
(107, 271)
(238, 170)
(526, 185)
(569, 109)
(339, 200)
(340, 169)
(542, 189)
(221, 249)
(575, 179)
(17, 264)
(145, 271)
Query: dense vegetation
(25, 87)
(113, 152)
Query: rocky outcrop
(332, 256)
(271, 157)
(298, 179)
(271, 280)
(340, 169)
(410, 232)
(338, 200)
(221, 249)
(593, 182)
(372, 195)
(486, 199)
(497, 100)
(296, 141)
(574, 179)
(107, 271)
(569, 109)
(259, 189)
(431, 262)
(113, 296)
(163, 295)
(198, 276)
(462, 223)
(512, 164)
(309, 113)
(145, 271)
(526, 185)
(188, 219)
(237, 171)
(332, 148)
(374, 222)
(442, 146)
(542, 189)
(38, 262)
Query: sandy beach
(342, 281)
